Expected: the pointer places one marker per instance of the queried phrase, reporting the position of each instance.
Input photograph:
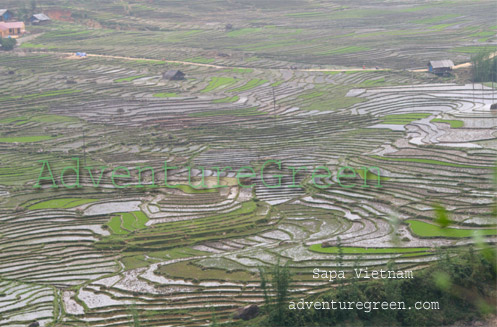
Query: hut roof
(441, 63)
(172, 73)
(41, 17)
(3, 11)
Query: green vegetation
(484, 66)
(249, 85)
(136, 317)
(311, 95)
(344, 50)
(239, 70)
(8, 43)
(177, 253)
(26, 169)
(440, 26)
(262, 46)
(227, 99)
(432, 20)
(55, 119)
(229, 112)
(325, 98)
(275, 285)
(135, 261)
(373, 82)
(64, 203)
(137, 222)
(128, 79)
(189, 270)
(462, 285)
(305, 14)
(243, 32)
(441, 216)
(52, 119)
(239, 222)
(28, 45)
(191, 190)
(126, 222)
(424, 229)
(16, 120)
(338, 103)
(474, 49)
(165, 95)
(218, 82)
(358, 250)
(149, 61)
(483, 36)
(200, 60)
(428, 161)
(40, 95)
(453, 123)
(393, 33)
(403, 119)
(418, 8)
(115, 225)
(65, 33)
(25, 139)
(371, 176)
(225, 116)
(354, 13)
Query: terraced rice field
(289, 91)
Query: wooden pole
(84, 149)
(274, 104)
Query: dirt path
(28, 38)
(344, 70)
(71, 55)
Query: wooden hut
(5, 15)
(173, 75)
(38, 19)
(440, 67)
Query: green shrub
(8, 43)
(463, 282)
(276, 293)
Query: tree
(441, 216)
(33, 6)
(8, 43)
(134, 316)
(277, 302)
(23, 13)
(340, 252)
(484, 66)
